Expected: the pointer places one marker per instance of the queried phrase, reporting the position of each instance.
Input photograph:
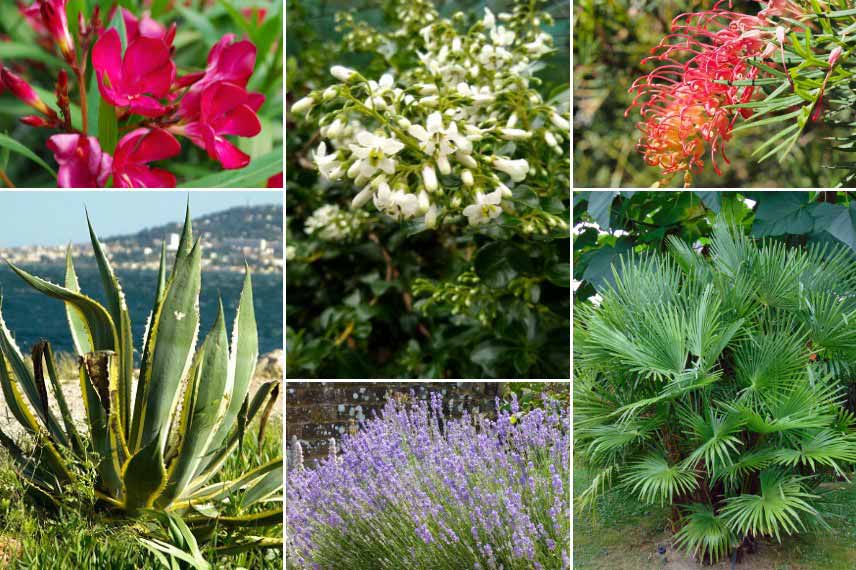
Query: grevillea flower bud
(54, 18)
(25, 92)
(342, 73)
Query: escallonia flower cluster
(454, 133)
(152, 103)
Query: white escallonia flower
(328, 164)
(560, 122)
(439, 141)
(466, 159)
(502, 36)
(378, 89)
(514, 134)
(551, 141)
(430, 178)
(373, 153)
(467, 178)
(330, 93)
(489, 20)
(423, 201)
(362, 197)
(431, 217)
(516, 169)
(485, 208)
(398, 204)
(303, 105)
(342, 73)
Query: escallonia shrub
(416, 489)
(715, 385)
(144, 103)
(430, 193)
(458, 125)
(722, 71)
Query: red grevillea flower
(135, 151)
(82, 163)
(225, 109)
(137, 82)
(227, 61)
(684, 104)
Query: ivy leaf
(713, 200)
(599, 269)
(599, 205)
(837, 220)
(782, 213)
(493, 264)
(559, 274)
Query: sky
(57, 218)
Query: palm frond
(653, 479)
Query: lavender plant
(413, 489)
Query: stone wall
(317, 411)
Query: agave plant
(715, 385)
(159, 445)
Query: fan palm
(715, 385)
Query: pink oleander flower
(25, 92)
(225, 109)
(136, 82)
(228, 61)
(146, 27)
(54, 19)
(82, 163)
(33, 15)
(135, 151)
(684, 105)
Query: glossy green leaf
(255, 175)
(16, 147)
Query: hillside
(242, 222)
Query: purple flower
(411, 482)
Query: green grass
(620, 533)
(35, 538)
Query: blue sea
(32, 316)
